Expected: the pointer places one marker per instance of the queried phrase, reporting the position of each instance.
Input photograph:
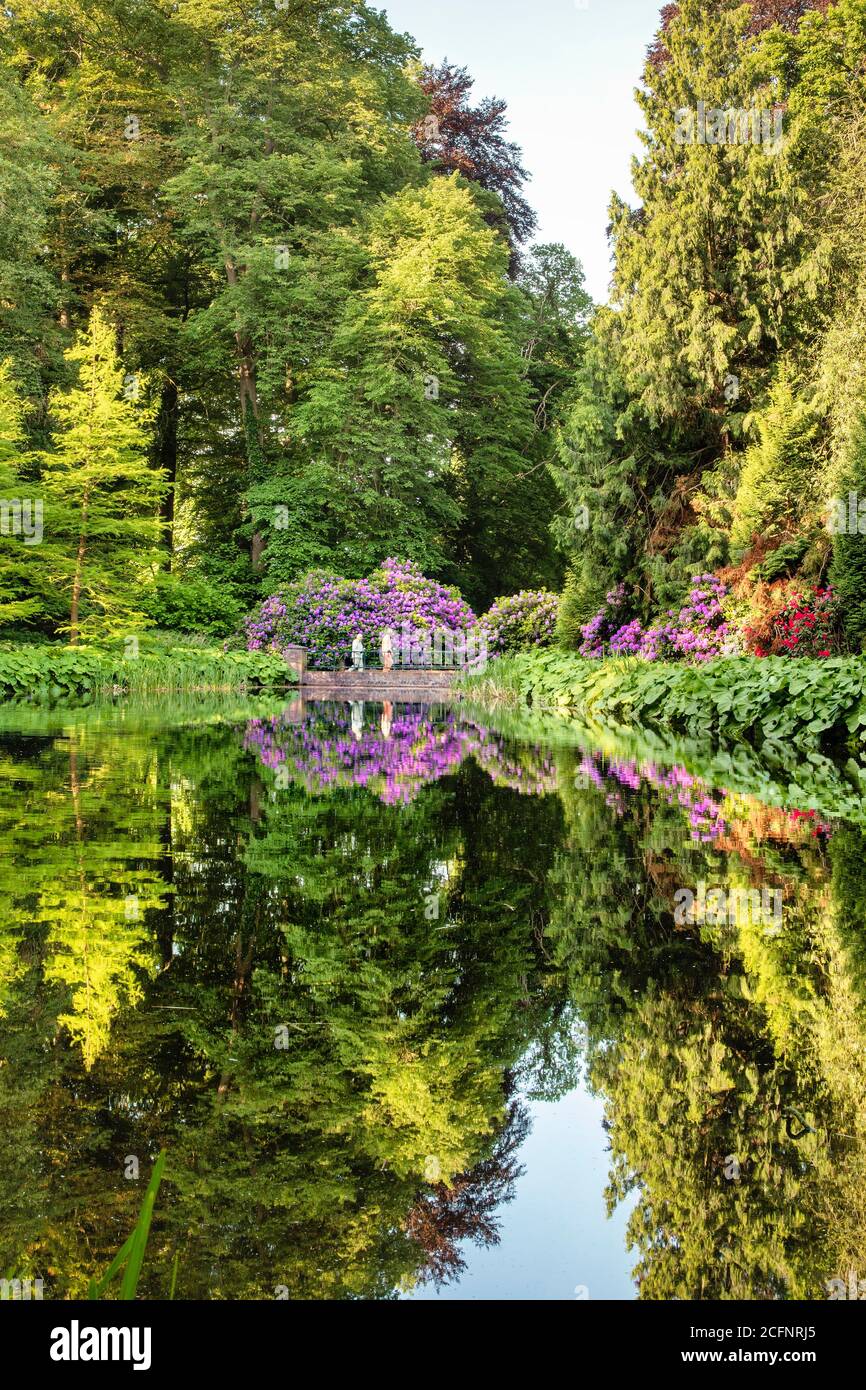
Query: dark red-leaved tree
(440, 1220)
(765, 13)
(471, 139)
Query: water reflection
(392, 755)
(330, 955)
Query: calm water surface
(409, 998)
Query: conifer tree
(102, 491)
(21, 514)
(779, 471)
(848, 568)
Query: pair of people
(385, 723)
(386, 651)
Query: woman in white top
(386, 650)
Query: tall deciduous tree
(457, 137)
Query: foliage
(102, 493)
(792, 623)
(336, 359)
(52, 674)
(191, 603)
(717, 400)
(698, 632)
(17, 562)
(577, 603)
(471, 141)
(781, 562)
(779, 472)
(623, 477)
(599, 632)
(130, 1257)
(763, 14)
(763, 701)
(848, 569)
(323, 612)
(521, 622)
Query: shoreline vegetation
(383, 406)
(46, 674)
(767, 702)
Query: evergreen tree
(721, 224)
(848, 567)
(21, 510)
(102, 492)
(617, 475)
(780, 472)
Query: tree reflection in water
(328, 958)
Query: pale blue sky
(567, 69)
(555, 1237)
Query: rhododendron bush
(393, 760)
(323, 612)
(785, 621)
(521, 622)
(697, 632)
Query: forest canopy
(309, 251)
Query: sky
(568, 70)
(556, 1240)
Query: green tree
(102, 492)
(626, 485)
(848, 567)
(777, 489)
(17, 561)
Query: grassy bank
(51, 674)
(760, 701)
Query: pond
(426, 1002)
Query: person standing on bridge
(358, 652)
(386, 650)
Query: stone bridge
(405, 686)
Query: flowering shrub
(697, 633)
(789, 623)
(524, 621)
(598, 632)
(323, 612)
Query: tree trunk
(251, 418)
(79, 570)
(166, 458)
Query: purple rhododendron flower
(697, 633)
(323, 612)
